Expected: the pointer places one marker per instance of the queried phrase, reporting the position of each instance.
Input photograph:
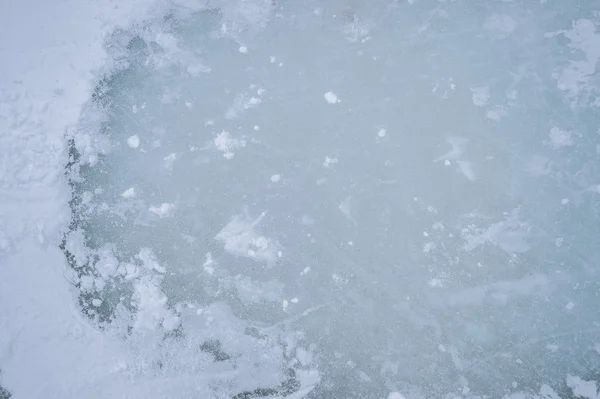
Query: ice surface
(310, 199)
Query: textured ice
(406, 256)
(340, 199)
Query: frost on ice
(162, 210)
(331, 97)
(480, 95)
(241, 238)
(225, 143)
(133, 141)
(129, 193)
(559, 138)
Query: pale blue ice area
(409, 189)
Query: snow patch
(480, 95)
(560, 138)
(331, 97)
(133, 141)
(163, 210)
(227, 144)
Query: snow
(226, 144)
(240, 237)
(162, 210)
(44, 337)
(331, 97)
(330, 161)
(133, 141)
(480, 95)
(560, 138)
(275, 178)
(129, 193)
(582, 388)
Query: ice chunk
(133, 141)
(331, 97)
(227, 144)
(163, 210)
(129, 193)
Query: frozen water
(402, 187)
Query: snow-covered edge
(48, 348)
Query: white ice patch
(275, 178)
(559, 138)
(480, 95)
(227, 144)
(355, 29)
(208, 264)
(330, 161)
(509, 235)
(244, 102)
(240, 238)
(163, 210)
(496, 113)
(129, 193)
(151, 304)
(169, 160)
(107, 264)
(149, 260)
(133, 141)
(395, 395)
(304, 357)
(582, 388)
(575, 78)
(331, 97)
(435, 283)
(339, 280)
(148, 298)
